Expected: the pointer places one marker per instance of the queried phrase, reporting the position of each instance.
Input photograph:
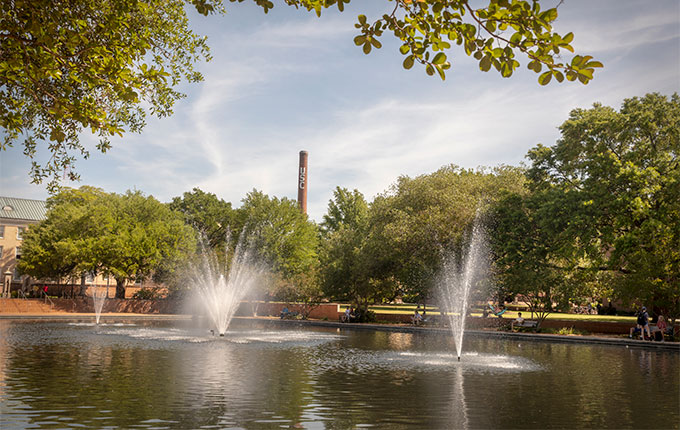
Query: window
(2, 231)
(0, 251)
(17, 252)
(16, 276)
(20, 232)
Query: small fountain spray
(98, 297)
(223, 282)
(458, 280)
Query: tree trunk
(83, 288)
(120, 288)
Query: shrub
(364, 316)
(147, 294)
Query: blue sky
(287, 81)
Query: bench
(654, 329)
(524, 324)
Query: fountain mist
(99, 297)
(222, 282)
(459, 278)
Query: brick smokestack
(303, 182)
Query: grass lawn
(408, 309)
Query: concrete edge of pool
(537, 337)
(625, 342)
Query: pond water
(168, 374)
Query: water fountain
(222, 282)
(99, 297)
(459, 278)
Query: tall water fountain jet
(99, 297)
(459, 278)
(223, 282)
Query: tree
(145, 237)
(212, 217)
(532, 257)
(346, 263)
(93, 64)
(421, 221)
(621, 174)
(127, 236)
(346, 208)
(282, 235)
(61, 246)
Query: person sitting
(634, 331)
(417, 319)
(661, 328)
(285, 312)
(518, 321)
(346, 316)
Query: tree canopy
(128, 236)
(282, 234)
(210, 216)
(615, 177)
(94, 65)
(346, 267)
(420, 221)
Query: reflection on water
(172, 375)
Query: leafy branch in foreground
(492, 35)
(90, 64)
(98, 65)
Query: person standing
(643, 322)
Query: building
(16, 215)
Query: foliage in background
(283, 236)
(421, 221)
(346, 263)
(62, 246)
(212, 217)
(128, 236)
(618, 176)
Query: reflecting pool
(169, 374)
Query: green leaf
(440, 58)
(408, 62)
(485, 63)
(360, 40)
(558, 75)
(545, 78)
(367, 48)
(440, 70)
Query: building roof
(22, 209)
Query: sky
(288, 81)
